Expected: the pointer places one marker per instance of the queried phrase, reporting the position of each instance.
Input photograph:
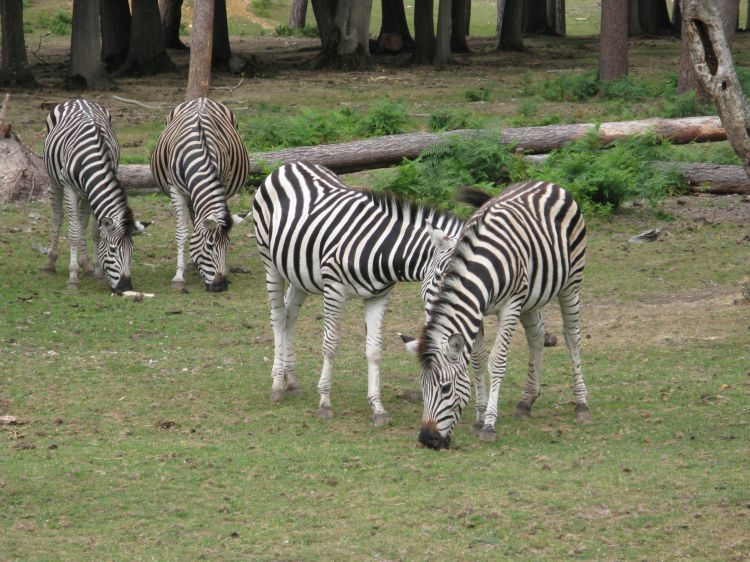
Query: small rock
(646, 236)
(550, 340)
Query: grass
(148, 432)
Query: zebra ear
(440, 239)
(411, 344)
(107, 224)
(210, 223)
(456, 343)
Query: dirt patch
(712, 209)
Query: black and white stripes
(200, 161)
(518, 251)
(81, 156)
(321, 237)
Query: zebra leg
(479, 364)
(533, 324)
(74, 236)
(180, 207)
(275, 288)
(292, 304)
(96, 235)
(333, 310)
(570, 305)
(56, 192)
(374, 312)
(498, 361)
(84, 212)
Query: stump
(22, 173)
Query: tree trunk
(344, 33)
(653, 16)
(634, 18)
(14, 65)
(556, 16)
(510, 34)
(86, 70)
(460, 14)
(500, 4)
(443, 37)
(717, 179)
(115, 20)
(199, 75)
(613, 40)
(424, 32)
(298, 14)
(535, 20)
(171, 16)
(394, 35)
(705, 25)
(221, 51)
(147, 54)
(677, 17)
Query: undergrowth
(600, 178)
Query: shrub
(59, 23)
(386, 118)
(685, 105)
(288, 31)
(447, 120)
(477, 94)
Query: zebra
(81, 155)
(200, 161)
(321, 237)
(518, 251)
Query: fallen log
(717, 179)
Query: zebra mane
(416, 213)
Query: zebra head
(115, 249)
(446, 388)
(208, 250)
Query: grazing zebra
(321, 237)
(517, 252)
(200, 161)
(81, 155)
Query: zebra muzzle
(218, 284)
(123, 284)
(430, 437)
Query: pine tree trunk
(424, 32)
(460, 14)
(199, 75)
(613, 40)
(171, 16)
(147, 54)
(115, 18)
(500, 4)
(443, 37)
(394, 35)
(536, 17)
(556, 16)
(344, 27)
(510, 35)
(221, 52)
(634, 18)
(14, 66)
(86, 70)
(298, 14)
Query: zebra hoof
(276, 396)
(294, 390)
(522, 411)
(381, 419)
(72, 286)
(49, 270)
(476, 428)
(583, 414)
(324, 413)
(178, 284)
(488, 434)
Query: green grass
(148, 432)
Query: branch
(230, 88)
(134, 102)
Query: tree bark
(221, 51)
(199, 75)
(344, 27)
(443, 37)
(298, 14)
(500, 4)
(86, 70)
(394, 35)
(460, 13)
(556, 16)
(424, 32)
(717, 179)
(115, 25)
(613, 40)
(710, 52)
(147, 54)
(171, 17)
(535, 17)
(653, 16)
(510, 34)
(14, 64)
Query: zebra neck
(422, 257)
(106, 197)
(455, 311)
